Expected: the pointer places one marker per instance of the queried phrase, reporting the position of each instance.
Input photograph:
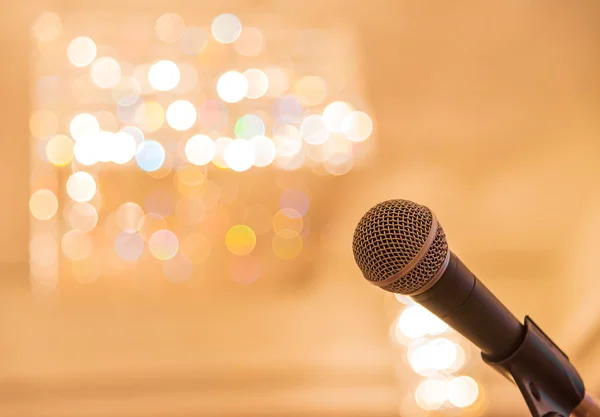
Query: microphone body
(466, 305)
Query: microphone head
(400, 246)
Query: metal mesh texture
(389, 236)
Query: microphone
(401, 247)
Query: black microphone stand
(546, 378)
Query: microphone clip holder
(546, 378)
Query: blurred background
(181, 182)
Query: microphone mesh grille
(389, 236)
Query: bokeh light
(85, 149)
(244, 269)
(82, 216)
(76, 245)
(122, 148)
(232, 86)
(43, 250)
(105, 72)
(334, 115)
(357, 126)
(287, 246)
(428, 357)
(169, 27)
(81, 186)
(181, 115)
(287, 109)
(81, 51)
(178, 269)
(296, 200)
(136, 134)
(287, 219)
(150, 116)
(221, 145)
(126, 92)
(404, 299)
(431, 394)
(313, 130)
(250, 41)
(47, 27)
(239, 155)
(264, 151)
(43, 204)
(128, 217)
(43, 123)
(59, 150)
(279, 81)
(163, 244)
(463, 391)
(129, 246)
(196, 247)
(311, 90)
(240, 240)
(258, 83)
(415, 322)
(150, 156)
(200, 150)
(149, 224)
(193, 41)
(226, 28)
(288, 140)
(249, 126)
(83, 124)
(213, 114)
(164, 75)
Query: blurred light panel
(264, 151)
(181, 115)
(240, 240)
(193, 41)
(239, 155)
(357, 126)
(249, 126)
(334, 115)
(232, 86)
(129, 246)
(169, 27)
(47, 27)
(463, 391)
(200, 150)
(250, 42)
(59, 150)
(150, 156)
(258, 83)
(431, 356)
(82, 216)
(404, 299)
(43, 123)
(81, 51)
(313, 130)
(164, 75)
(83, 124)
(43, 250)
(105, 72)
(81, 186)
(43, 204)
(226, 28)
(163, 244)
